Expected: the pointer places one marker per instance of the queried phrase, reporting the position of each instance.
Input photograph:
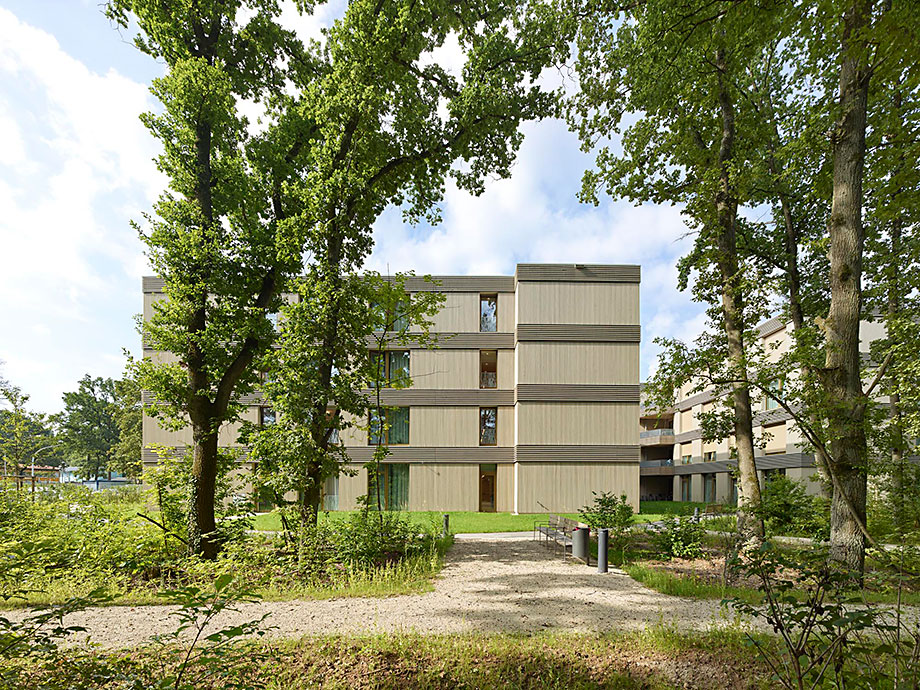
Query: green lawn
(464, 521)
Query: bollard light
(602, 541)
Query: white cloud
(534, 217)
(77, 166)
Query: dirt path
(487, 585)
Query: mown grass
(462, 522)
(657, 659)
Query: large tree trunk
(201, 524)
(841, 376)
(749, 524)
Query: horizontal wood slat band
(698, 399)
(149, 456)
(768, 328)
(152, 284)
(540, 453)
(472, 454)
(589, 273)
(447, 397)
(616, 333)
(455, 341)
(691, 435)
(433, 397)
(487, 284)
(764, 462)
(563, 392)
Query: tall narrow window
(685, 488)
(488, 426)
(488, 368)
(709, 488)
(400, 316)
(392, 366)
(776, 387)
(393, 486)
(266, 416)
(331, 493)
(488, 313)
(395, 430)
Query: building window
(734, 490)
(396, 427)
(685, 488)
(686, 459)
(395, 319)
(488, 425)
(709, 456)
(393, 486)
(331, 493)
(266, 416)
(488, 313)
(775, 386)
(709, 488)
(392, 366)
(488, 368)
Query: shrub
(787, 509)
(681, 536)
(614, 514)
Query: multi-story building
(702, 472)
(528, 403)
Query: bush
(614, 514)
(681, 536)
(787, 509)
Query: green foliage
(23, 433)
(364, 120)
(616, 515)
(129, 415)
(680, 536)
(88, 426)
(213, 657)
(170, 481)
(830, 636)
(787, 509)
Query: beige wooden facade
(695, 464)
(567, 395)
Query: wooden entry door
(487, 488)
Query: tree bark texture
(749, 525)
(842, 382)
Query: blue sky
(76, 167)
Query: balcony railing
(664, 462)
(654, 433)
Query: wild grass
(698, 588)
(659, 658)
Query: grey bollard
(446, 525)
(580, 543)
(602, 541)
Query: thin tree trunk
(749, 524)
(841, 376)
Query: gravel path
(487, 585)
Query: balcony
(663, 467)
(656, 437)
